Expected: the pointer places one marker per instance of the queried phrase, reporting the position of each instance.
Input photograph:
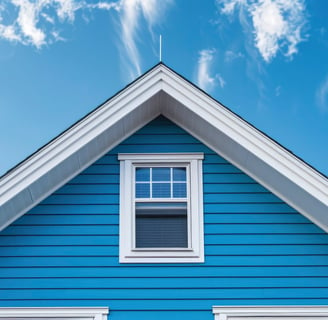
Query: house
(163, 204)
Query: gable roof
(162, 91)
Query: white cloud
(31, 25)
(220, 80)
(322, 95)
(34, 25)
(231, 55)
(205, 78)
(277, 24)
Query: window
(270, 313)
(161, 209)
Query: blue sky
(264, 59)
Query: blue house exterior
(64, 251)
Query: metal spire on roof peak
(160, 48)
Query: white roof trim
(162, 91)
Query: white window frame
(270, 312)
(195, 250)
(56, 313)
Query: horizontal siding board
(226, 178)
(240, 198)
(191, 283)
(96, 178)
(210, 229)
(76, 209)
(160, 139)
(164, 305)
(110, 250)
(212, 158)
(103, 169)
(82, 189)
(162, 293)
(258, 249)
(96, 261)
(247, 208)
(220, 168)
(266, 239)
(166, 271)
(51, 240)
(231, 239)
(279, 228)
(67, 219)
(287, 218)
(234, 188)
(69, 230)
(82, 199)
(69, 251)
(157, 148)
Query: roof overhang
(162, 91)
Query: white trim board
(66, 313)
(194, 253)
(162, 91)
(270, 312)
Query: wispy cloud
(276, 24)
(205, 77)
(322, 95)
(231, 56)
(36, 22)
(34, 25)
(133, 12)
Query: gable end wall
(258, 250)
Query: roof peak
(161, 90)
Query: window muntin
(163, 190)
(161, 182)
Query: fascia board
(247, 136)
(285, 175)
(42, 171)
(75, 138)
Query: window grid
(171, 181)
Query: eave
(162, 91)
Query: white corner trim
(283, 312)
(67, 313)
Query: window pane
(142, 174)
(179, 174)
(161, 190)
(142, 190)
(161, 174)
(179, 190)
(161, 225)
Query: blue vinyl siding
(258, 250)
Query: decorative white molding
(195, 253)
(270, 312)
(59, 313)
